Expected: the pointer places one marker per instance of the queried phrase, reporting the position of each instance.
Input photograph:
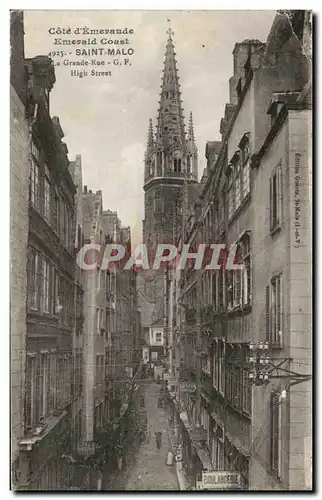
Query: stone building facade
(255, 195)
(171, 160)
(42, 325)
(19, 223)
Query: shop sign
(86, 448)
(187, 386)
(221, 480)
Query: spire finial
(169, 31)
(191, 134)
(150, 134)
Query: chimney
(85, 189)
(241, 53)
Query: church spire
(170, 123)
(150, 135)
(191, 136)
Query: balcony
(178, 175)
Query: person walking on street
(158, 439)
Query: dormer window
(189, 164)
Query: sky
(105, 119)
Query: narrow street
(148, 469)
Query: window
(64, 378)
(189, 164)
(34, 279)
(246, 167)
(231, 197)
(34, 187)
(246, 272)
(44, 385)
(67, 228)
(154, 356)
(218, 372)
(47, 197)
(247, 393)
(238, 185)
(158, 337)
(30, 410)
(177, 165)
(234, 291)
(236, 387)
(158, 205)
(99, 368)
(230, 289)
(52, 403)
(275, 434)
(221, 287)
(56, 283)
(215, 290)
(276, 199)
(98, 321)
(237, 275)
(246, 179)
(56, 214)
(276, 322)
(159, 163)
(46, 285)
(62, 220)
(228, 382)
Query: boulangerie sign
(160, 212)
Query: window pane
(47, 199)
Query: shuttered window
(267, 317)
(276, 311)
(30, 395)
(276, 198)
(276, 434)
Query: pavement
(146, 470)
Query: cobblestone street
(148, 469)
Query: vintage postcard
(161, 248)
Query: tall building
(171, 160)
(171, 157)
(19, 223)
(245, 335)
(43, 277)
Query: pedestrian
(158, 439)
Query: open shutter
(281, 326)
(271, 204)
(267, 312)
(279, 197)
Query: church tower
(171, 161)
(171, 157)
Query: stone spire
(150, 135)
(191, 136)
(170, 123)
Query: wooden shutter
(275, 430)
(267, 312)
(279, 195)
(271, 201)
(280, 312)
